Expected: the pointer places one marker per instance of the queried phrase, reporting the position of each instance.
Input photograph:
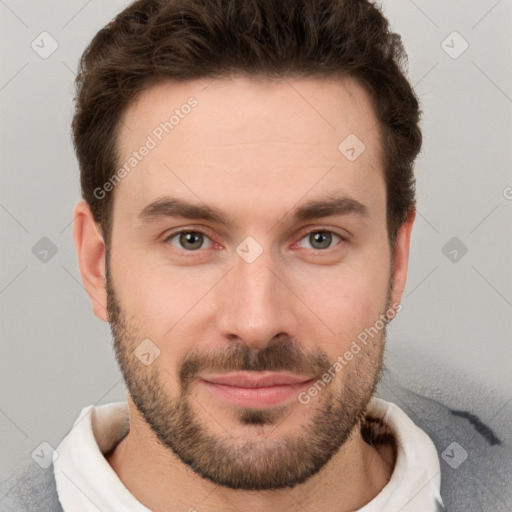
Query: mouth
(255, 389)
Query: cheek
(145, 295)
(345, 299)
(162, 301)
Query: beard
(255, 460)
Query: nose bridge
(256, 306)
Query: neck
(160, 481)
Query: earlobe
(90, 249)
(401, 258)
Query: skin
(256, 150)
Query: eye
(189, 240)
(320, 240)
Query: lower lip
(268, 396)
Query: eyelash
(198, 251)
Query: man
(246, 168)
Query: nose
(255, 304)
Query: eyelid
(171, 234)
(187, 229)
(315, 228)
(343, 237)
(204, 231)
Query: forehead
(230, 140)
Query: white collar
(415, 483)
(85, 480)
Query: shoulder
(30, 489)
(476, 463)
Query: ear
(401, 258)
(90, 249)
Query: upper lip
(255, 379)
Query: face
(248, 255)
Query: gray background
(452, 340)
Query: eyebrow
(314, 209)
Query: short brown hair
(175, 40)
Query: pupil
(323, 238)
(187, 239)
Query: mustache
(283, 356)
